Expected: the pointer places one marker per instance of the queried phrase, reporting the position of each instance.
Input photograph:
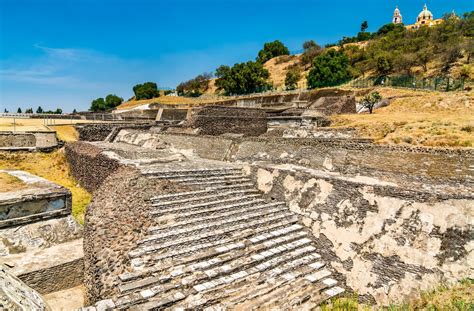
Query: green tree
(19, 110)
(383, 64)
(5, 111)
(364, 26)
(112, 101)
(292, 77)
(58, 111)
(146, 90)
(310, 44)
(329, 69)
(271, 50)
(98, 105)
(370, 100)
(39, 110)
(74, 111)
(242, 78)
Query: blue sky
(64, 53)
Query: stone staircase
(223, 246)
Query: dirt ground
(66, 300)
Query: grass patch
(66, 132)
(51, 166)
(10, 183)
(457, 297)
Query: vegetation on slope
(421, 118)
(51, 166)
(457, 297)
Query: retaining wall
(345, 156)
(88, 165)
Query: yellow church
(425, 18)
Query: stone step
(191, 173)
(218, 211)
(236, 181)
(184, 197)
(153, 259)
(247, 186)
(297, 247)
(208, 196)
(283, 226)
(224, 178)
(192, 227)
(259, 287)
(203, 207)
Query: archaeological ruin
(247, 204)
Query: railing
(442, 84)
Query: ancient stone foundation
(220, 120)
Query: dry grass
(51, 166)
(459, 297)
(10, 183)
(417, 118)
(164, 100)
(22, 125)
(66, 132)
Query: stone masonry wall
(336, 155)
(56, 278)
(118, 216)
(220, 120)
(88, 165)
(388, 242)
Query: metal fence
(443, 84)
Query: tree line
(392, 49)
(39, 110)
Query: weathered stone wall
(387, 241)
(350, 157)
(8, 140)
(94, 132)
(56, 277)
(15, 295)
(117, 217)
(220, 120)
(88, 165)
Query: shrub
(242, 78)
(329, 69)
(146, 90)
(292, 77)
(112, 101)
(270, 50)
(98, 105)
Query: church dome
(425, 14)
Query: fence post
(447, 85)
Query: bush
(329, 69)
(194, 87)
(112, 101)
(146, 90)
(98, 105)
(270, 50)
(242, 78)
(292, 77)
(311, 50)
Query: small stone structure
(39, 199)
(39, 239)
(218, 120)
(31, 140)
